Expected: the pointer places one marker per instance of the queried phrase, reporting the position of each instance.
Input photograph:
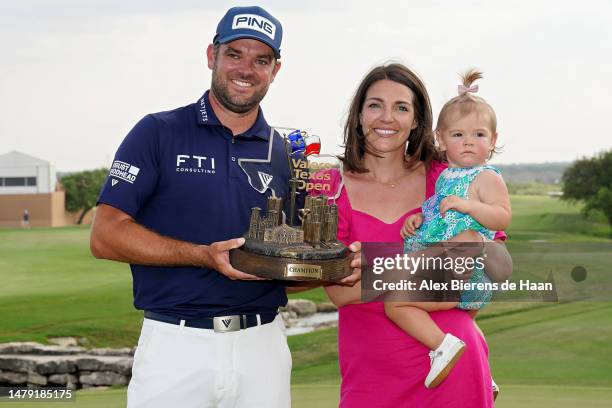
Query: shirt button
(233, 158)
(233, 140)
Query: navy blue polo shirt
(183, 175)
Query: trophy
(301, 246)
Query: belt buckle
(224, 324)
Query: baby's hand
(411, 224)
(453, 202)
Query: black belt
(219, 324)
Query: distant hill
(548, 173)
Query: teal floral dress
(435, 228)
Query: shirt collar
(206, 116)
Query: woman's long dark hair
(420, 140)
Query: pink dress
(381, 366)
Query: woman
(389, 170)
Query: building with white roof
(29, 183)
(23, 174)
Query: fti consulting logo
(123, 171)
(186, 163)
(254, 22)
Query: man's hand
(355, 277)
(217, 258)
(453, 202)
(467, 244)
(411, 224)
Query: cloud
(75, 76)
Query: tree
(590, 180)
(82, 190)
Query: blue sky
(75, 76)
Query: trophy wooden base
(292, 268)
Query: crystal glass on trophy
(304, 248)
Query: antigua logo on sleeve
(123, 171)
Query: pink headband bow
(462, 89)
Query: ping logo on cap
(254, 22)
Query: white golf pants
(184, 367)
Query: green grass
(537, 344)
(315, 357)
(540, 217)
(52, 286)
(115, 397)
(566, 344)
(303, 396)
(323, 396)
(542, 354)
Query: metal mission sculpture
(308, 250)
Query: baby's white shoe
(443, 359)
(495, 389)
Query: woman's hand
(467, 244)
(497, 261)
(348, 290)
(355, 264)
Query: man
(25, 221)
(176, 197)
